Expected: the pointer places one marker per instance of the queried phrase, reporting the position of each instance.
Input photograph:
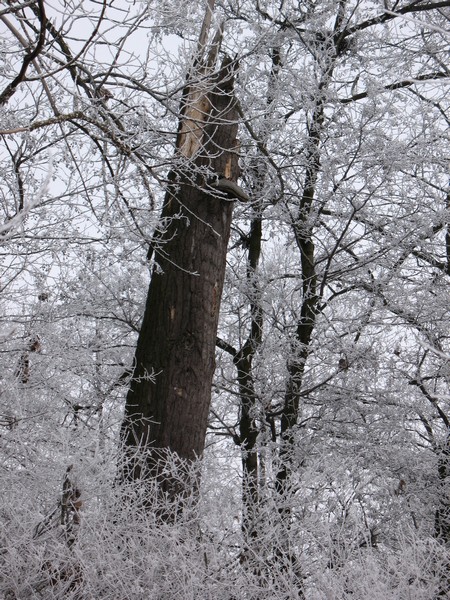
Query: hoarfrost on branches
(326, 469)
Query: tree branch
(398, 85)
(28, 58)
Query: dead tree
(168, 401)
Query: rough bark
(168, 401)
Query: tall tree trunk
(168, 401)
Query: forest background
(309, 458)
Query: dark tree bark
(168, 401)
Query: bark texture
(168, 401)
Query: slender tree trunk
(442, 515)
(309, 307)
(168, 401)
(303, 232)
